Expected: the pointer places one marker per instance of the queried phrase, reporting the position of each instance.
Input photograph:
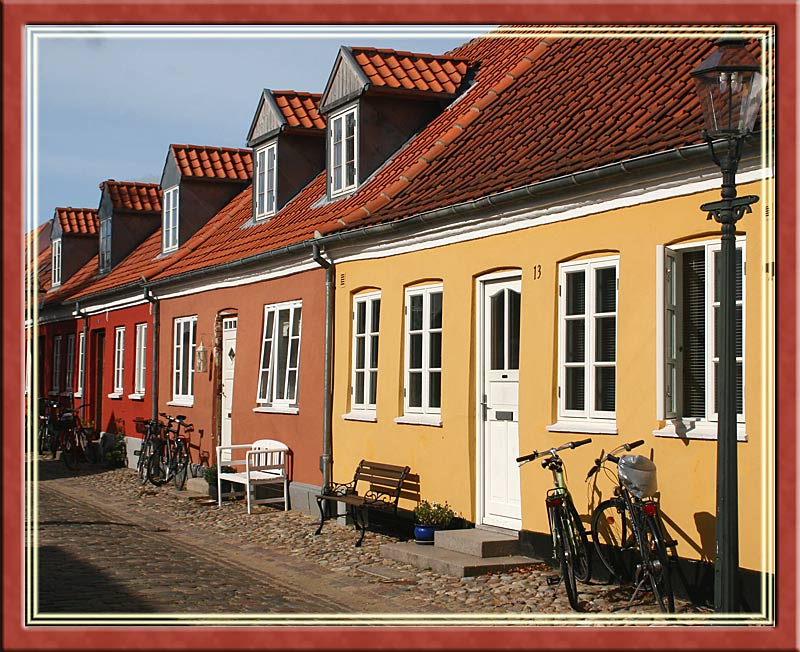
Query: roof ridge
(459, 126)
(290, 92)
(130, 183)
(212, 147)
(409, 53)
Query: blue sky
(107, 105)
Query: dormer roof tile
(199, 161)
(77, 221)
(301, 110)
(133, 196)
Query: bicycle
(170, 458)
(151, 428)
(627, 530)
(71, 439)
(570, 543)
(48, 411)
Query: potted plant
(210, 474)
(429, 517)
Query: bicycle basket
(638, 475)
(65, 421)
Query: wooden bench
(265, 461)
(374, 486)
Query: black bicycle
(151, 429)
(170, 456)
(48, 413)
(627, 529)
(570, 544)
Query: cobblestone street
(108, 545)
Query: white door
(228, 360)
(498, 420)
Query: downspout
(148, 294)
(81, 315)
(326, 459)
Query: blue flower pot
(423, 534)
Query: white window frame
(55, 386)
(589, 419)
(55, 261)
(140, 363)
(669, 372)
(266, 394)
(179, 357)
(119, 362)
(364, 410)
(70, 364)
(266, 183)
(81, 364)
(412, 413)
(171, 201)
(340, 118)
(104, 255)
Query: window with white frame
(265, 181)
(423, 350)
(366, 325)
(140, 361)
(119, 359)
(170, 219)
(104, 256)
(70, 363)
(280, 355)
(81, 363)
(55, 386)
(588, 340)
(689, 368)
(343, 151)
(55, 271)
(183, 359)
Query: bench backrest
(268, 454)
(393, 481)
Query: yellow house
(541, 273)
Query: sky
(107, 105)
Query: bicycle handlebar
(612, 457)
(180, 420)
(552, 452)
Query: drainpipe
(326, 460)
(148, 294)
(82, 315)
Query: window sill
(277, 409)
(66, 393)
(587, 427)
(52, 393)
(360, 416)
(176, 402)
(136, 397)
(77, 395)
(115, 395)
(696, 429)
(434, 420)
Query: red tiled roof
(133, 196)
(213, 162)
(77, 221)
(301, 110)
(411, 71)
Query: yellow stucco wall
(445, 456)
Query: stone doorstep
(450, 562)
(477, 542)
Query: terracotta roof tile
(77, 221)
(133, 196)
(199, 161)
(301, 110)
(425, 73)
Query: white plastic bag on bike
(638, 474)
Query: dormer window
(104, 258)
(343, 146)
(265, 181)
(170, 224)
(55, 276)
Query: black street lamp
(729, 85)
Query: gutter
(326, 459)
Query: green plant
(432, 513)
(117, 454)
(210, 474)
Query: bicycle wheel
(156, 469)
(44, 439)
(565, 554)
(88, 448)
(612, 537)
(144, 459)
(181, 466)
(583, 558)
(56, 442)
(71, 454)
(656, 565)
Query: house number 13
(537, 272)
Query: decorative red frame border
(17, 14)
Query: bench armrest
(339, 489)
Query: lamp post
(729, 85)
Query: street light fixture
(729, 85)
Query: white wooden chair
(266, 461)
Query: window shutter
(694, 334)
(668, 324)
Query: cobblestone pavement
(109, 544)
